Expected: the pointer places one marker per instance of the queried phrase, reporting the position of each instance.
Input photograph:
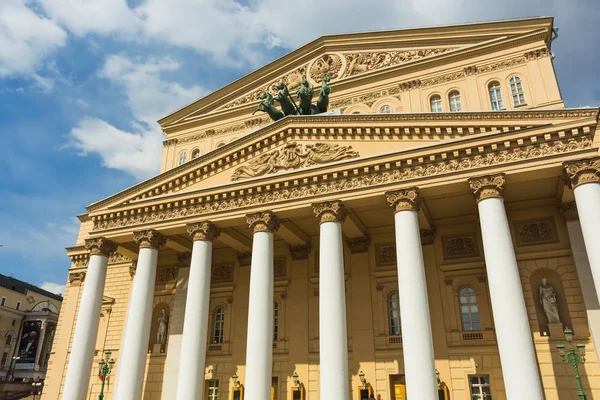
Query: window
(219, 325)
(4, 360)
(385, 109)
(212, 389)
(9, 340)
(13, 322)
(480, 387)
(454, 100)
(182, 157)
(469, 313)
(496, 96)
(18, 307)
(3, 301)
(436, 103)
(516, 91)
(220, 145)
(275, 322)
(394, 313)
(195, 153)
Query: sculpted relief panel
(293, 156)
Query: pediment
(349, 58)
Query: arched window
(195, 153)
(219, 325)
(496, 96)
(436, 103)
(9, 340)
(454, 100)
(182, 157)
(386, 109)
(516, 91)
(221, 144)
(275, 321)
(469, 312)
(394, 313)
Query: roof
(23, 287)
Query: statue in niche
(548, 302)
(161, 333)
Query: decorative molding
(246, 125)
(460, 246)
(222, 273)
(385, 254)
(167, 274)
(300, 251)
(341, 180)
(170, 142)
(404, 199)
(537, 54)
(244, 258)
(116, 258)
(449, 281)
(409, 85)
(427, 236)
(330, 64)
(76, 278)
(149, 239)
(79, 260)
(184, 259)
(437, 80)
(100, 246)
(379, 287)
(580, 172)
(265, 221)
(568, 211)
(487, 187)
(364, 98)
(205, 231)
(279, 266)
(330, 211)
(133, 268)
(358, 63)
(535, 231)
(359, 244)
(501, 65)
(293, 156)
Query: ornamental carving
(222, 273)
(246, 125)
(300, 251)
(568, 211)
(244, 258)
(133, 268)
(100, 246)
(501, 65)
(358, 63)
(116, 258)
(487, 187)
(436, 80)
(80, 260)
(359, 244)
(404, 199)
(427, 236)
(264, 221)
(409, 85)
(170, 142)
(535, 231)
(167, 274)
(372, 178)
(76, 278)
(537, 54)
(329, 64)
(365, 98)
(184, 259)
(279, 269)
(330, 211)
(580, 172)
(385, 254)
(292, 156)
(205, 230)
(460, 246)
(149, 239)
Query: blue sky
(82, 83)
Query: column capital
(487, 186)
(568, 211)
(580, 172)
(330, 211)
(404, 199)
(204, 230)
(264, 221)
(100, 246)
(149, 239)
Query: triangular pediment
(351, 57)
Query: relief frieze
(385, 254)
(222, 273)
(460, 246)
(358, 63)
(279, 266)
(535, 231)
(167, 274)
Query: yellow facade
(384, 85)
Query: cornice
(402, 167)
(289, 126)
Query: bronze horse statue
(284, 99)
(323, 100)
(305, 94)
(267, 106)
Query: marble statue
(161, 334)
(548, 302)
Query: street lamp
(574, 358)
(36, 386)
(236, 381)
(361, 376)
(106, 365)
(296, 379)
(14, 364)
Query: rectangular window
(274, 388)
(4, 359)
(212, 389)
(18, 305)
(14, 321)
(480, 387)
(3, 301)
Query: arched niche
(552, 278)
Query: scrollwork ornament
(568, 211)
(487, 187)
(205, 230)
(330, 211)
(300, 251)
(149, 239)
(100, 246)
(76, 278)
(580, 172)
(404, 199)
(265, 221)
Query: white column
(259, 345)
(513, 333)
(88, 320)
(190, 384)
(417, 342)
(333, 337)
(134, 345)
(584, 177)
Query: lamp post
(14, 364)
(574, 358)
(106, 365)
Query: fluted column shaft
(259, 343)
(417, 342)
(190, 384)
(134, 345)
(513, 333)
(333, 336)
(88, 320)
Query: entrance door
(399, 391)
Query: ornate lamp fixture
(574, 358)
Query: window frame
(195, 152)
(518, 90)
(481, 395)
(18, 305)
(454, 98)
(182, 158)
(215, 387)
(497, 90)
(387, 107)
(3, 301)
(469, 304)
(8, 340)
(218, 337)
(276, 309)
(437, 100)
(390, 317)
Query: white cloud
(53, 287)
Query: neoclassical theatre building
(426, 228)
